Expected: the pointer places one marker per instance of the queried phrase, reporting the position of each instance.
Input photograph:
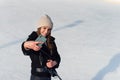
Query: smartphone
(42, 39)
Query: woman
(45, 57)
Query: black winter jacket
(39, 58)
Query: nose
(46, 31)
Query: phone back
(41, 38)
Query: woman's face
(45, 30)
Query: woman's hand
(32, 45)
(51, 63)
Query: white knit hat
(45, 20)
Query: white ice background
(87, 36)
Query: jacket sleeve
(26, 52)
(31, 37)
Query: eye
(44, 28)
(49, 29)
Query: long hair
(49, 42)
